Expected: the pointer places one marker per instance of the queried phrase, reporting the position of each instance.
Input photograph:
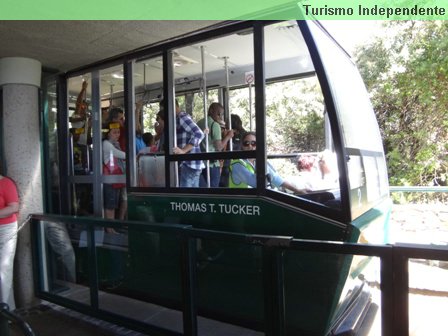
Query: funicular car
(292, 84)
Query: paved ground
(428, 279)
(50, 320)
(420, 224)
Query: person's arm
(291, 187)
(77, 117)
(218, 142)
(81, 94)
(108, 147)
(241, 174)
(196, 135)
(184, 150)
(9, 210)
(277, 181)
(118, 153)
(11, 199)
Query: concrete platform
(47, 319)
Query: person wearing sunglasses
(243, 171)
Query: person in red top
(116, 115)
(9, 206)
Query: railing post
(6, 315)
(394, 293)
(387, 294)
(401, 290)
(189, 285)
(274, 291)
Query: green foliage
(198, 103)
(149, 117)
(294, 117)
(407, 74)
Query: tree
(406, 74)
(295, 116)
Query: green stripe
(221, 10)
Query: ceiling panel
(66, 45)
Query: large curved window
(298, 137)
(366, 167)
(214, 88)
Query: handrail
(394, 262)
(418, 189)
(6, 315)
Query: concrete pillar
(20, 80)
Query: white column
(20, 80)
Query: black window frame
(164, 48)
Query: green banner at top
(223, 10)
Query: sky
(351, 33)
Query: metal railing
(6, 315)
(418, 189)
(393, 266)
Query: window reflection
(148, 81)
(298, 137)
(82, 198)
(52, 161)
(366, 166)
(114, 142)
(203, 75)
(66, 263)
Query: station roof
(64, 45)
